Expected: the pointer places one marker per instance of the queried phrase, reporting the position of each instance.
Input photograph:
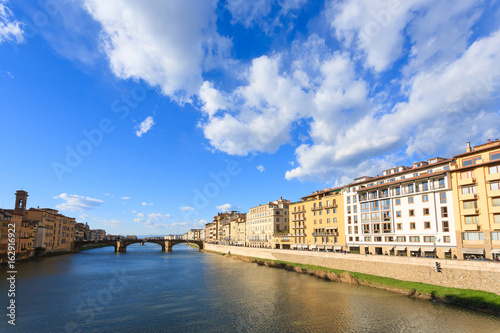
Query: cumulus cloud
(186, 208)
(166, 43)
(10, 29)
(74, 202)
(125, 198)
(226, 207)
(261, 168)
(145, 126)
(147, 204)
(111, 223)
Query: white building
(406, 211)
(265, 220)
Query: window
(366, 228)
(495, 235)
(399, 226)
(314, 213)
(495, 186)
(468, 189)
(334, 220)
(471, 220)
(470, 204)
(411, 212)
(377, 239)
(467, 174)
(348, 200)
(444, 211)
(356, 219)
(349, 230)
(429, 239)
(427, 225)
(398, 213)
(327, 211)
(494, 169)
(426, 211)
(410, 200)
(495, 156)
(446, 226)
(374, 205)
(425, 198)
(368, 238)
(442, 197)
(413, 225)
(472, 236)
(314, 221)
(401, 239)
(365, 207)
(414, 239)
(398, 202)
(496, 218)
(425, 186)
(496, 202)
(354, 199)
(446, 239)
(355, 209)
(471, 161)
(320, 221)
(356, 229)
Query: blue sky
(149, 117)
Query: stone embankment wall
(464, 274)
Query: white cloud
(138, 219)
(258, 12)
(10, 29)
(166, 43)
(75, 202)
(134, 211)
(111, 223)
(140, 215)
(147, 204)
(261, 168)
(125, 198)
(268, 106)
(157, 216)
(145, 126)
(186, 208)
(226, 207)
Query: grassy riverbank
(193, 245)
(472, 299)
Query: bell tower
(21, 198)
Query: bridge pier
(120, 247)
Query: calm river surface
(145, 290)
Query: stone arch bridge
(121, 245)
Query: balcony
(494, 176)
(470, 211)
(493, 193)
(316, 208)
(328, 234)
(331, 206)
(466, 181)
(470, 227)
(468, 196)
(495, 209)
(299, 227)
(495, 226)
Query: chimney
(469, 148)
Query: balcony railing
(317, 208)
(324, 234)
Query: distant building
(263, 221)
(131, 237)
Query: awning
(338, 247)
(313, 247)
(305, 246)
(293, 246)
(321, 247)
(470, 250)
(445, 249)
(414, 248)
(400, 248)
(497, 251)
(329, 247)
(330, 228)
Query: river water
(145, 290)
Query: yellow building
(317, 221)
(265, 221)
(59, 229)
(476, 187)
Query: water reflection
(189, 291)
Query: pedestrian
(454, 256)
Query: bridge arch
(121, 245)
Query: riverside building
(408, 211)
(264, 221)
(476, 186)
(317, 221)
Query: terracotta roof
(480, 148)
(322, 192)
(403, 180)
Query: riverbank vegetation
(90, 247)
(472, 299)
